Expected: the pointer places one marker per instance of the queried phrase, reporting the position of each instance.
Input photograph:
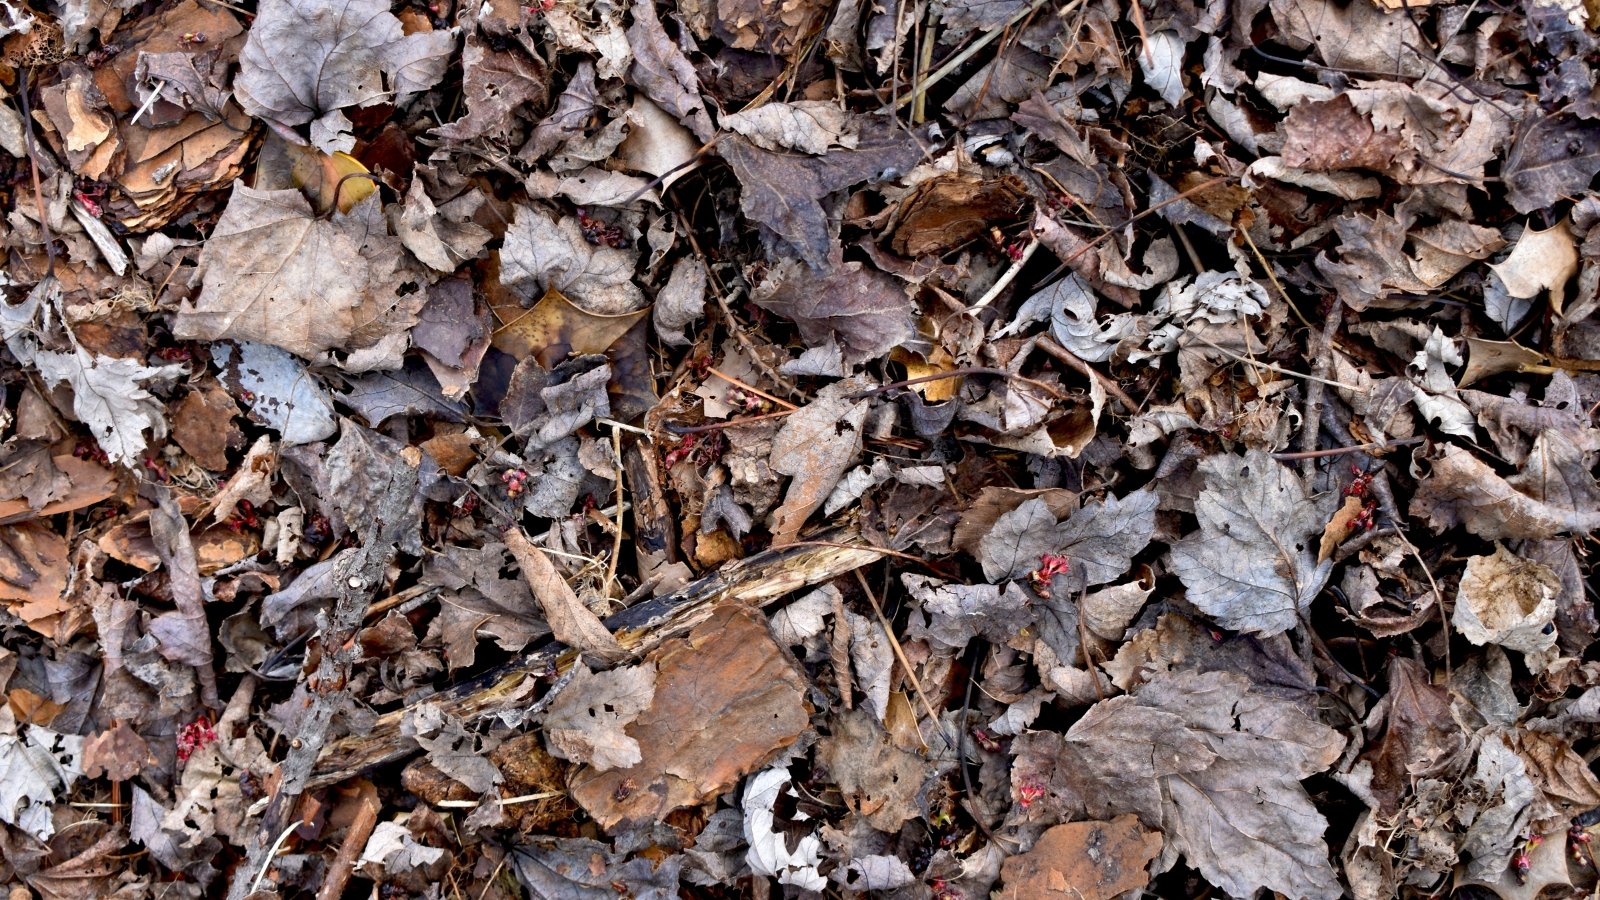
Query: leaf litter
(661, 449)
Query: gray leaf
(1252, 566)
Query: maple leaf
(1252, 566)
(1213, 765)
(274, 272)
(305, 60)
(109, 396)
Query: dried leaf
(1251, 566)
(881, 782)
(276, 274)
(585, 723)
(571, 621)
(109, 395)
(345, 53)
(1089, 860)
(727, 698)
(1215, 765)
(817, 445)
(1507, 600)
(542, 254)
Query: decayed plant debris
(934, 449)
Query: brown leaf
(87, 484)
(1339, 527)
(1420, 737)
(865, 311)
(33, 572)
(950, 210)
(881, 782)
(1552, 157)
(118, 753)
(1561, 773)
(497, 84)
(571, 621)
(727, 698)
(203, 425)
(556, 328)
(275, 273)
(816, 445)
(1084, 861)
(1328, 135)
(1553, 495)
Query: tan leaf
(571, 621)
(1084, 860)
(727, 698)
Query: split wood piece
(755, 581)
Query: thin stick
(961, 58)
(716, 426)
(745, 387)
(1269, 366)
(1101, 238)
(616, 543)
(1340, 451)
(900, 654)
(355, 840)
(1273, 276)
(1008, 276)
(276, 846)
(1049, 345)
(958, 373)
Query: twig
(1268, 366)
(1322, 352)
(1341, 451)
(961, 58)
(958, 373)
(355, 840)
(1273, 277)
(905, 663)
(266, 862)
(1010, 275)
(745, 387)
(616, 542)
(358, 581)
(33, 165)
(1052, 347)
(1102, 237)
(716, 426)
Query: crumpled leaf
(682, 301)
(572, 622)
(665, 74)
(391, 848)
(479, 600)
(110, 397)
(451, 748)
(1099, 540)
(583, 869)
(958, 613)
(305, 60)
(880, 781)
(1553, 495)
(275, 273)
(816, 445)
(770, 853)
(1213, 765)
(585, 723)
(1252, 566)
(809, 126)
(783, 191)
(497, 84)
(35, 765)
(1161, 60)
(1507, 600)
(1553, 156)
(541, 253)
(443, 238)
(862, 309)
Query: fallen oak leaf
(569, 619)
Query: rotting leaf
(1089, 860)
(727, 698)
